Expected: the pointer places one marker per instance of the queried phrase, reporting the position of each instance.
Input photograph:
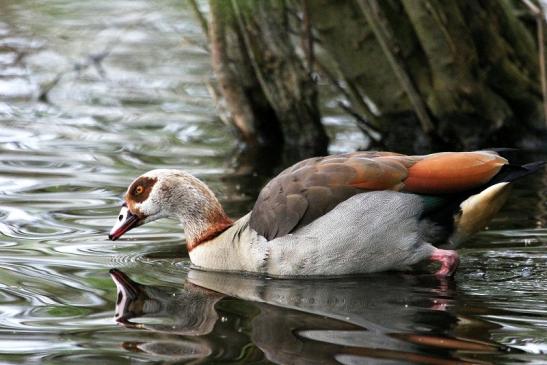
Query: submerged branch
(353, 95)
(378, 24)
(92, 60)
(199, 16)
(543, 74)
(538, 13)
(307, 37)
(362, 123)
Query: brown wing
(311, 188)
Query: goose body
(343, 214)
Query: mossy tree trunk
(473, 65)
(427, 74)
(269, 94)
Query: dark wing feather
(311, 188)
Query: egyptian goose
(343, 214)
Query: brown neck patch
(215, 229)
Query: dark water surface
(64, 165)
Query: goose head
(166, 193)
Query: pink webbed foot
(449, 261)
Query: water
(65, 163)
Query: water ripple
(65, 163)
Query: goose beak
(126, 221)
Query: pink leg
(449, 261)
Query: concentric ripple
(66, 157)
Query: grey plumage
(368, 232)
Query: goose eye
(139, 190)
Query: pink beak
(126, 221)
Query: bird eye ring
(139, 190)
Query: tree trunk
(472, 65)
(271, 97)
(426, 74)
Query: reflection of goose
(158, 310)
(316, 321)
(382, 298)
(342, 214)
(137, 300)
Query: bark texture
(426, 74)
(472, 65)
(270, 95)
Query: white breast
(239, 248)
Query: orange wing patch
(450, 172)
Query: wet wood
(426, 75)
(271, 97)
